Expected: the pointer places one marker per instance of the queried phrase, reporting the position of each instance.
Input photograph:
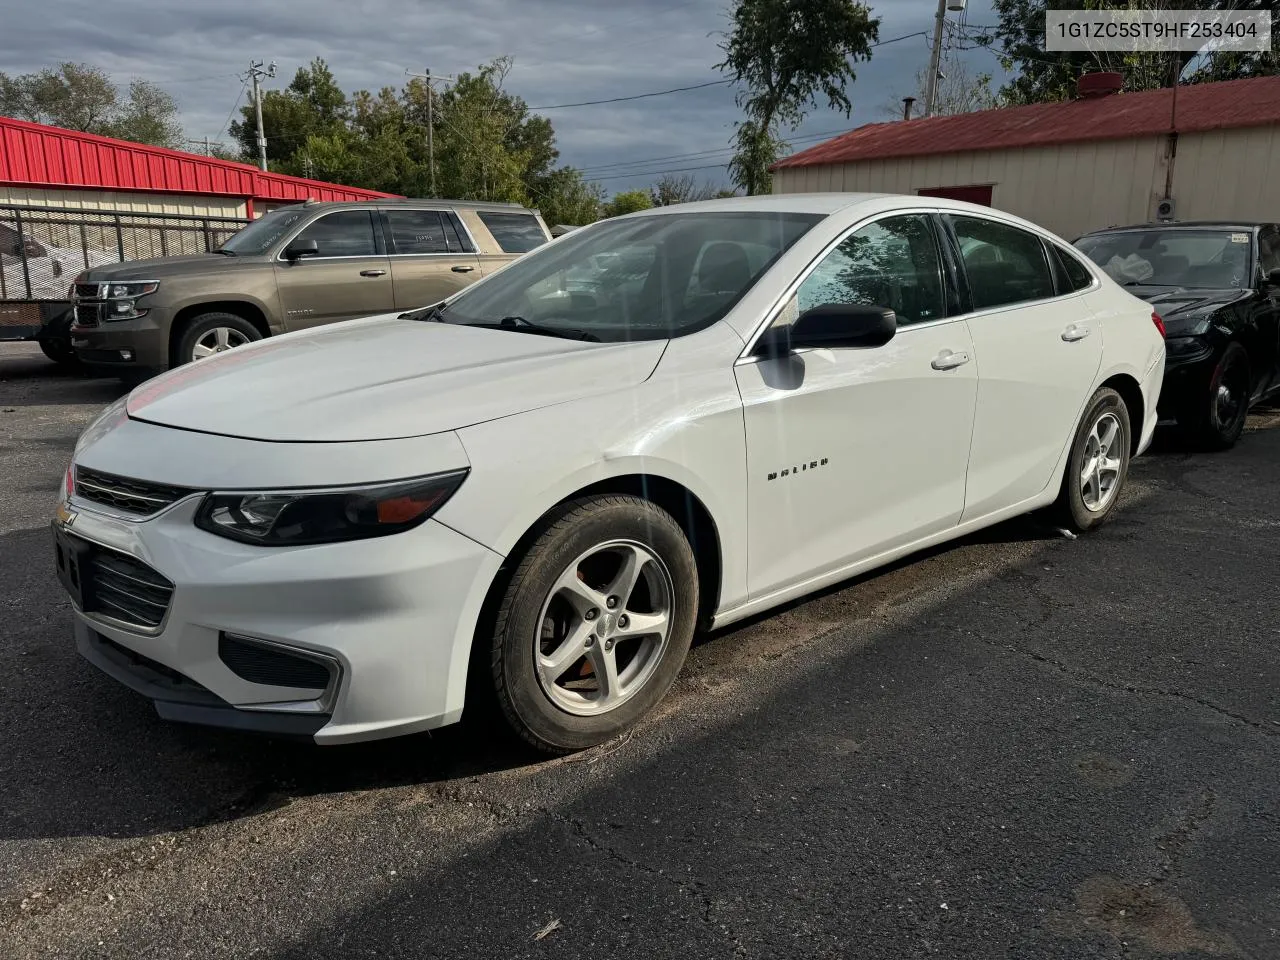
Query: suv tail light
(1155, 318)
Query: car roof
(824, 203)
(1182, 225)
(418, 202)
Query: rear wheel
(594, 624)
(1097, 465)
(213, 333)
(1214, 417)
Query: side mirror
(834, 326)
(302, 248)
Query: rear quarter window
(514, 232)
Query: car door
(853, 452)
(1037, 356)
(348, 277)
(430, 260)
(1266, 309)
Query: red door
(972, 194)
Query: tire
(551, 605)
(203, 330)
(58, 349)
(1085, 502)
(1214, 417)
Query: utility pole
(255, 74)
(205, 142)
(431, 121)
(935, 55)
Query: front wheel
(213, 333)
(1214, 418)
(594, 623)
(1097, 465)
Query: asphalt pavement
(1018, 746)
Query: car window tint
(515, 232)
(1078, 276)
(1004, 264)
(1269, 249)
(347, 233)
(1211, 257)
(890, 263)
(417, 231)
(455, 234)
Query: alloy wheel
(604, 628)
(217, 340)
(1100, 466)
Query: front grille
(87, 291)
(125, 589)
(139, 497)
(88, 314)
(258, 663)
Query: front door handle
(462, 269)
(1074, 332)
(949, 360)
(373, 273)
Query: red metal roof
(32, 154)
(1201, 106)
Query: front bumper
(125, 344)
(396, 615)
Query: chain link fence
(43, 248)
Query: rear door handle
(949, 360)
(462, 269)
(1074, 332)
(373, 273)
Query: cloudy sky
(566, 51)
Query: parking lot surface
(1021, 745)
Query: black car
(1217, 288)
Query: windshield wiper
(520, 323)
(431, 314)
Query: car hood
(162, 267)
(384, 378)
(1185, 306)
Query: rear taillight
(1155, 318)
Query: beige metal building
(1104, 159)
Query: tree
(313, 105)
(671, 189)
(565, 197)
(958, 91)
(627, 202)
(1042, 76)
(77, 96)
(784, 55)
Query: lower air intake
(259, 663)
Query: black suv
(1216, 285)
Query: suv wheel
(213, 333)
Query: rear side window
(417, 231)
(515, 232)
(347, 233)
(1004, 264)
(1078, 276)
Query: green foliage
(77, 96)
(627, 202)
(672, 189)
(313, 105)
(786, 55)
(564, 197)
(1042, 76)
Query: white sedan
(535, 493)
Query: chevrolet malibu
(534, 493)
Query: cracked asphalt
(1018, 746)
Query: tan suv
(296, 267)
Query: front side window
(889, 263)
(1004, 264)
(646, 278)
(417, 231)
(1172, 257)
(347, 233)
(1269, 249)
(515, 232)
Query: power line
(226, 123)
(621, 176)
(601, 167)
(638, 96)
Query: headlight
(289, 518)
(131, 291)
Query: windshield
(258, 236)
(648, 278)
(1172, 258)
